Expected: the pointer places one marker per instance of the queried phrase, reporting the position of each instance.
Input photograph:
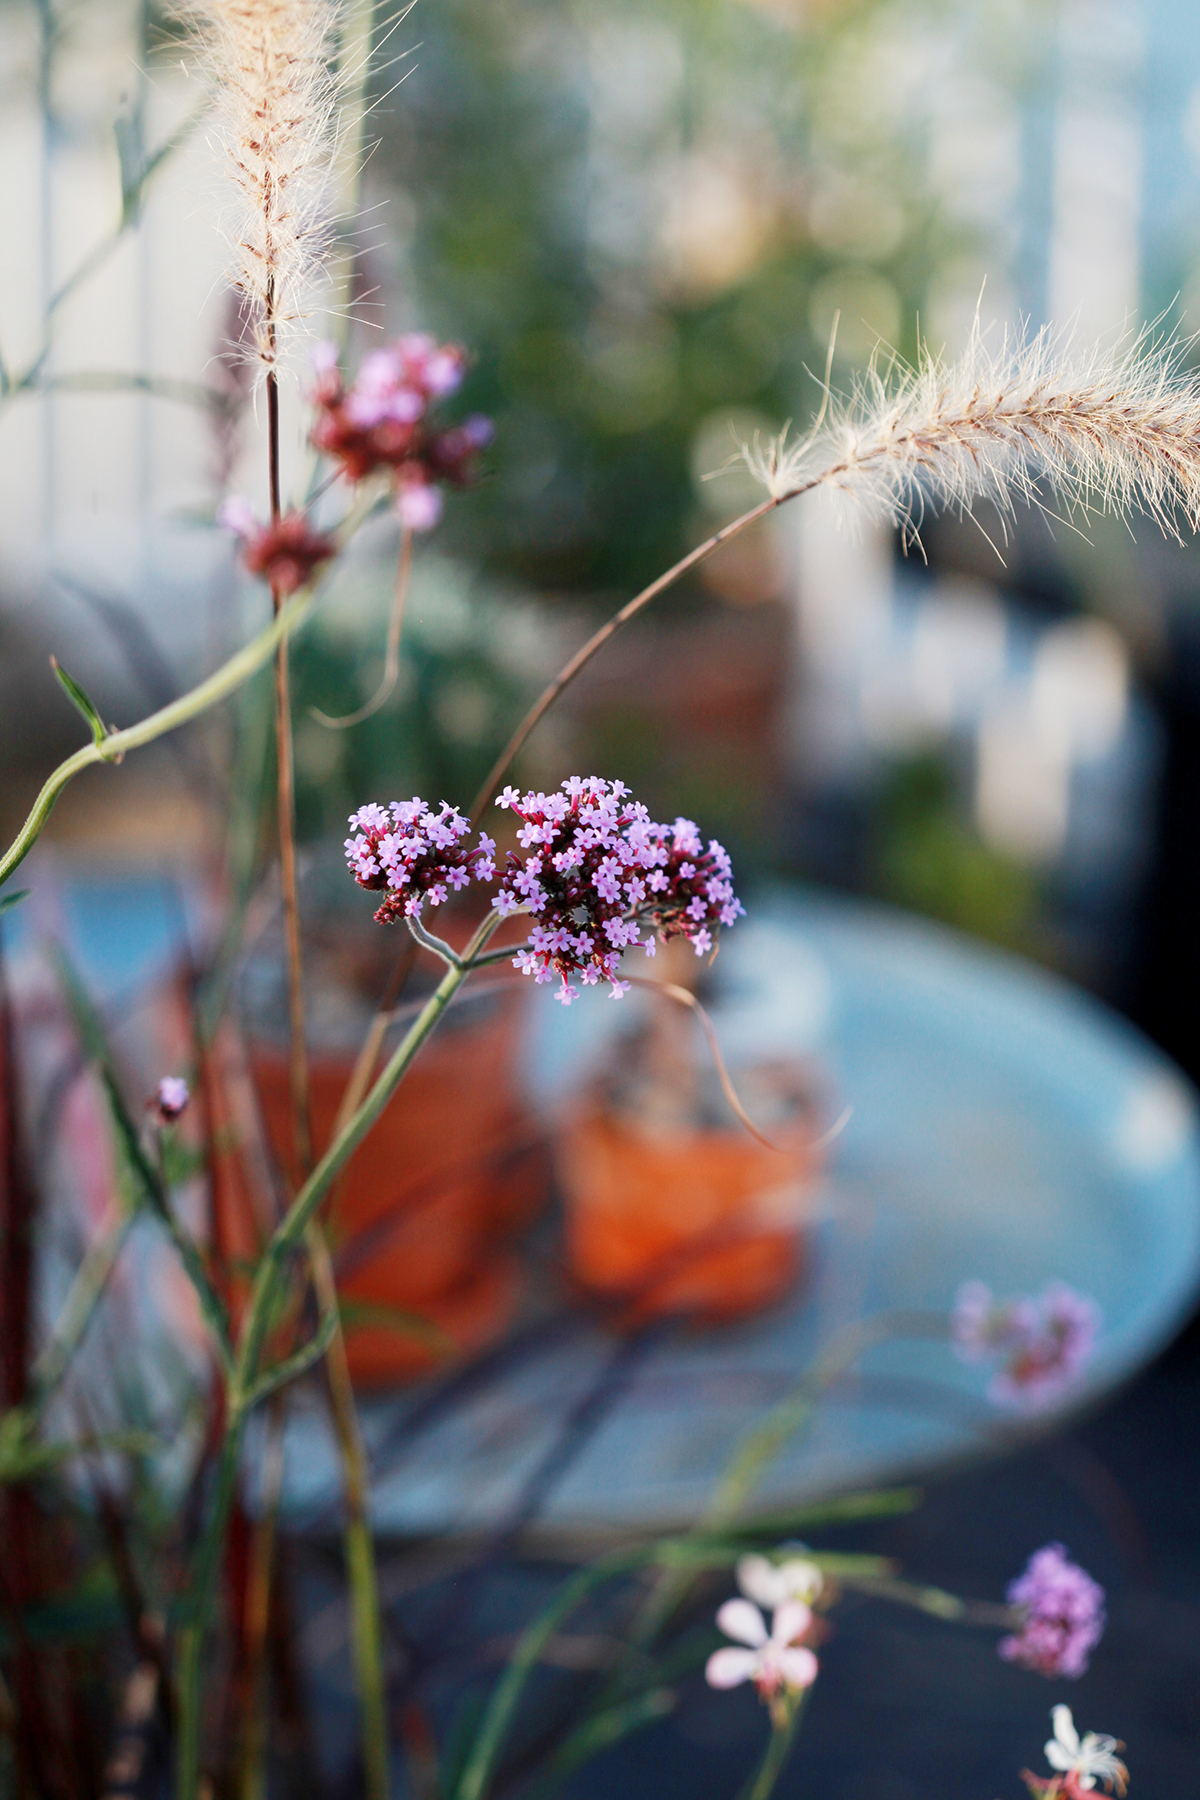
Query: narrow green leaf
(608, 1728)
(80, 700)
(131, 156)
(397, 1319)
(9, 900)
(133, 1153)
(292, 1367)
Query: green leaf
(80, 700)
(9, 900)
(394, 1318)
(131, 155)
(609, 1727)
(25, 1458)
(883, 1503)
(137, 1163)
(292, 1367)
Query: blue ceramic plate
(1004, 1126)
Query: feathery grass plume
(1111, 429)
(271, 64)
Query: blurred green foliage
(640, 219)
(924, 855)
(465, 678)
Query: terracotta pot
(448, 1172)
(704, 1222)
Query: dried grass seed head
(1116, 430)
(271, 64)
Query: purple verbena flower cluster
(380, 421)
(1063, 1612)
(1042, 1342)
(416, 854)
(598, 868)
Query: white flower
(770, 1584)
(774, 1660)
(1094, 1758)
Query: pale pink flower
(773, 1659)
(172, 1096)
(419, 505)
(1080, 1764)
(770, 1583)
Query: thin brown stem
(273, 434)
(297, 1054)
(366, 1618)
(360, 1555)
(597, 641)
(286, 793)
(391, 659)
(368, 1056)
(258, 1603)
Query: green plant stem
(29, 380)
(477, 1770)
(366, 1624)
(694, 1552)
(761, 1446)
(200, 1597)
(258, 1607)
(784, 1725)
(287, 1238)
(932, 1600)
(217, 687)
(83, 1297)
(221, 683)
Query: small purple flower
(415, 853)
(1042, 1341)
(171, 1097)
(600, 869)
(1063, 1615)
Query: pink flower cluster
(1063, 1612)
(416, 854)
(598, 869)
(1042, 1342)
(284, 552)
(380, 421)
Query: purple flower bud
(171, 1097)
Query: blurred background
(641, 219)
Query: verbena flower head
(1063, 1615)
(413, 853)
(381, 421)
(770, 1583)
(773, 1660)
(284, 552)
(1041, 1341)
(1080, 1764)
(596, 870)
(171, 1097)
